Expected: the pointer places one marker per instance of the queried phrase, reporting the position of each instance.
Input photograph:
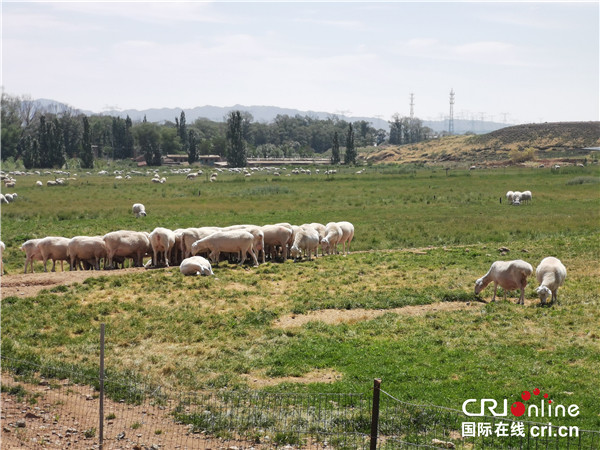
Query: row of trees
(48, 136)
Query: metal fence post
(375, 413)
(101, 424)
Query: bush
(518, 156)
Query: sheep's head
(479, 286)
(325, 244)
(295, 251)
(543, 292)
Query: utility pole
(412, 105)
(451, 119)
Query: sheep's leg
(522, 297)
(495, 289)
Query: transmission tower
(451, 119)
(412, 105)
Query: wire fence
(51, 407)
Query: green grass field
(219, 332)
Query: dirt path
(30, 284)
(336, 316)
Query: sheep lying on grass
(551, 274)
(510, 275)
(195, 265)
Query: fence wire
(53, 408)
(57, 408)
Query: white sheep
(347, 235)
(516, 200)
(526, 196)
(56, 249)
(333, 234)
(509, 197)
(551, 274)
(276, 236)
(510, 275)
(88, 249)
(127, 244)
(138, 209)
(232, 241)
(195, 265)
(32, 252)
(306, 239)
(162, 241)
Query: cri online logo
(545, 409)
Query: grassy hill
(547, 142)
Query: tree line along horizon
(40, 138)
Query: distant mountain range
(265, 114)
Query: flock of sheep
(175, 247)
(515, 198)
(193, 249)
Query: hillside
(547, 141)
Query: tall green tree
(11, 126)
(192, 147)
(350, 156)
(148, 136)
(57, 144)
(335, 149)
(129, 151)
(29, 149)
(182, 132)
(86, 154)
(236, 146)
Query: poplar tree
(350, 157)
(87, 155)
(335, 150)
(236, 146)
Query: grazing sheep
(347, 235)
(196, 265)
(276, 236)
(509, 275)
(32, 252)
(54, 248)
(162, 241)
(87, 249)
(551, 274)
(516, 201)
(306, 239)
(259, 237)
(127, 244)
(191, 235)
(3, 199)
(526, 196)
(233, 241)
(509, 197)
(9, 198)
(333, 234)
(139, 210)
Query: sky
(512, 62)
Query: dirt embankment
(30, 284)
